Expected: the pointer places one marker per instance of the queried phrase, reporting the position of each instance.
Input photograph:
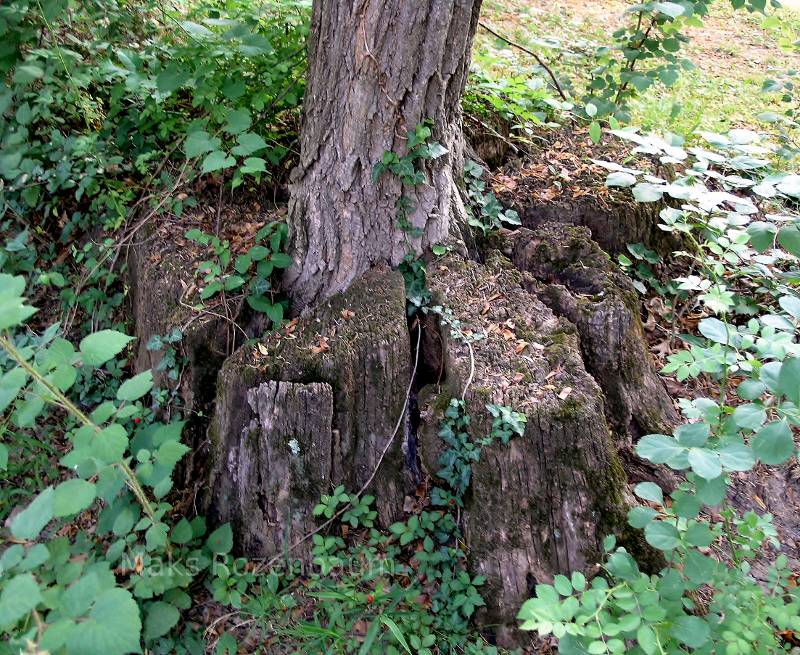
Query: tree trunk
(377, 68)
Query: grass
(734, 53)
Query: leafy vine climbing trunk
(376, 69)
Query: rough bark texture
(376, 69)
(541, 504)
(577, 280)
(335, 381)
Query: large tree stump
(312, 407)
(543, 503)
(577, 280)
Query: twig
(538, 59)
(374, 471)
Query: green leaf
(238, 121)
(649, 491)
(750, 416)
(73, 496)
(716, 330)
(698, 567)
(281, 260)
(662, 535)
(691, 631)
(99, 347)
(789, 379)
(113, 626)
(248, 144)
(136, 387)
(395, 630)
(620, 179)
(221, 540)
(789, 238)
(773, 444)
(646, 192)
(705, 463)
(20, 596)
(161, 617)
(27, 73)
(217, 160)
(639, 517)
(762, 235)
(595, 132)
(658, 448)
(253, 165)
(737, 457)
(29, 522)
(750, 389)
(199, 143)
(182, 532)
(10, 385)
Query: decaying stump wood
(577, 280)
(541, 504)
(613, 225)
(335, 381)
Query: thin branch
(538, 59)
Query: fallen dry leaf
(322, 347)
(565, 392)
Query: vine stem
(62, 401)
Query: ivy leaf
(773, 444)
(136, 387)
(221, 540)
(29, 522)
(99, 347)
(20, 595)
(217, 160)
(113, 626)
(73, 496)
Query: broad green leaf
(693, 434)
(716, 330)
(691, 631)
(789, 379)
(113, 626)
(646, 192)
(705, 463)
(595, 132)
(238, 121)
(762, 235)
(750, 389)
(29, 522)
(789, 238)
(649, 491)
(135, 387)
(181, 533)
(662, 535)
(10, 385)
(99, 347)
(773, 444)
(658, 448)
(72, 496)
(20, 596)
(737, 457)
(639, 517)
(750, 416)
(248, 143)
(161, 617)
(221, 540)
(620, 179)
(217, 160)
(199, 143)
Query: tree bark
(377, 68)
